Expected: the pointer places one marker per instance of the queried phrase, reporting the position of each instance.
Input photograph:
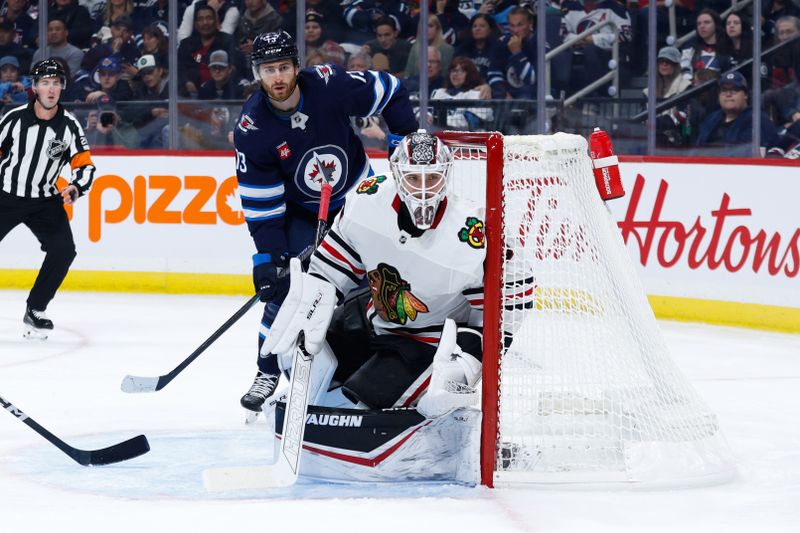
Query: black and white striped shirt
(33, 152)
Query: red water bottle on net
(606, 166)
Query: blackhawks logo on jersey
(473, 234)
(392, 295)
(370, 185)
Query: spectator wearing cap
(224, 83)
(77, 20)
(193, 51)
(258, 17)
(151, 119)
(121, 45)
(227, 15)
(109, 83)
(728, 131)
(316, 38)
(388, 43)
(57, 40)
(13, 87)
(25, 26)
(669, 80)
(8, 46)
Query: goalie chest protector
(416, 282)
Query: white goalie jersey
(415, 282)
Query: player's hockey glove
(268, 284)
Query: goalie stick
(113, 454)
(284, 472)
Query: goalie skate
(37, 325)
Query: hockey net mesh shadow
(587, 390)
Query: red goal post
(578, 385)
(489, 148)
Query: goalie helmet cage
(585, 392)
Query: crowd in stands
(117, 53)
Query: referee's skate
(37, 325)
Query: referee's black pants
(48, 221)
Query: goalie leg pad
(322, 369)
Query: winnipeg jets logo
(55, 148)
(321, 164)
(325, 72)
(246, 124)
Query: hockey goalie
(398, 361)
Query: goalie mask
(421, 168)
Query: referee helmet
(49, 68)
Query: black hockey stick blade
(113, 454)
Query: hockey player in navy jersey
(291, 135)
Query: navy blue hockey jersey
(283, 159)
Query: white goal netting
(587, 389)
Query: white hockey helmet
(421, 166)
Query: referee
(36, 141)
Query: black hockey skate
(37, 325)
(262, 388)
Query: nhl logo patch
(473, 234)
(370, 185)
(55, 149)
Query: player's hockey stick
(113, 454)
(152, 384)
(284, 471)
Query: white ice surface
(70, 384)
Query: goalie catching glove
(308, 307)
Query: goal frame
(653, 428)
